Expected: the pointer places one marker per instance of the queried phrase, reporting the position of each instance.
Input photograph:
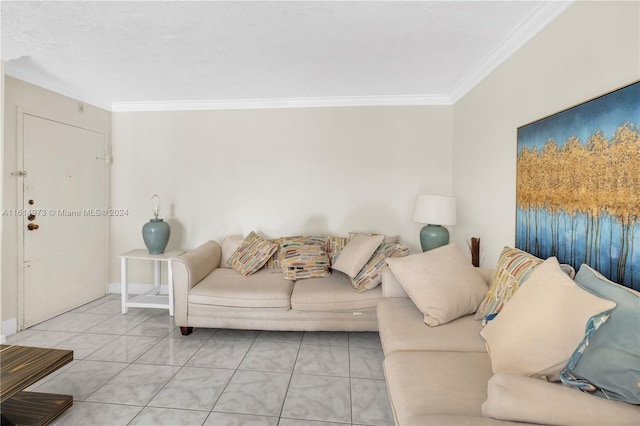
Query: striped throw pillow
(335, 246)
(298, 241)
(306, 261)
(252, 254)
(513, 269)
(370, 276)
(274, 260)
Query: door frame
(48, 115)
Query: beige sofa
(207, 295)
(442, 376)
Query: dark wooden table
(22, 366)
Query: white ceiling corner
(539, 18)
(157, 56)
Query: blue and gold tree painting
(578, 186)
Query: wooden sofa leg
(186, 330)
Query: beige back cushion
(356, 253)
(442, 283)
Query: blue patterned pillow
(607, 362)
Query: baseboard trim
(9, 327)
(135, 288)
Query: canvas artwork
(578, 186)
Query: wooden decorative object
(475, 251)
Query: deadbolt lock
(32, 226)
(31, 216)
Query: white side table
(152, 298)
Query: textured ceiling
(115, 54)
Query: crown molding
(49, 83)
(46, 82)
(545, 13)
(538, 19)
(311, 102)
(52, 84)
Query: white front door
(65, 239)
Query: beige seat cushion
(334, 293)
(402, 328)
(436, 383)
(455, 420)
(519, 398)
(226, 287)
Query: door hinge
(19, 173)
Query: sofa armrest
(188, 270)
(390, 285)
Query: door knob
(32, 226)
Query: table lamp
(434, 211)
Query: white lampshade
(435, 210)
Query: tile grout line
(160, 339)
(293, 369)
(350, 383)
(105, 383)
(121, 371)
(230, 378)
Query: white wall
(2, 331)
(591, 49)
(279, 172)
(33, 99)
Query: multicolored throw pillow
(252, 254)
(370, 276)
(513, 269)
(306, 261)
(275, 262)
(335, 246)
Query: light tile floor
(137, 369)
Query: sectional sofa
(443, 374)
(462, 345)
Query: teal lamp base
(155, 234)
(433, 236)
